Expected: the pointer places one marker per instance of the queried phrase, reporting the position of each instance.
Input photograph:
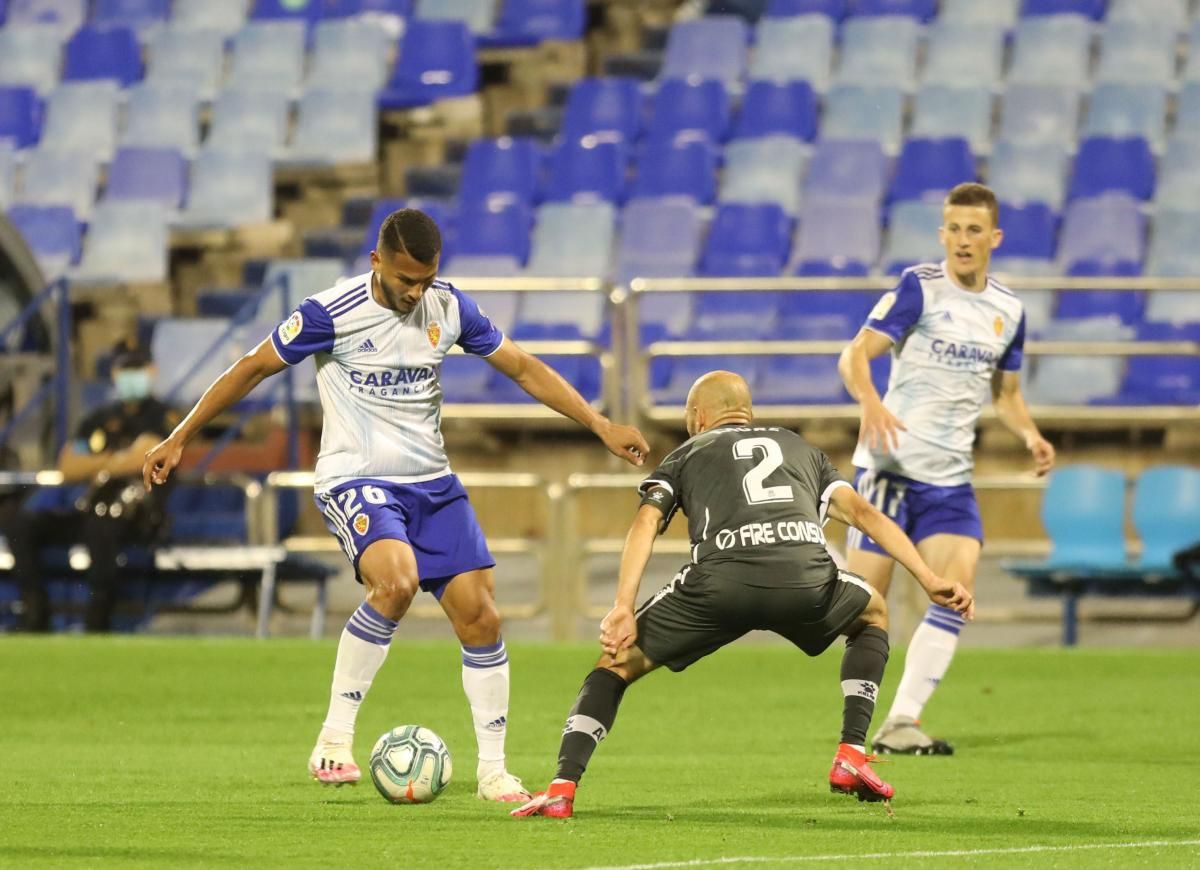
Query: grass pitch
(181, 752)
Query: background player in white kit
(383, 481)
(957, 337)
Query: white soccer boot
(500, 785)
(901, 735)
(332, 762)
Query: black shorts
(697, 614)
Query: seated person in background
(114, 511)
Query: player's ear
(997, 237)
(375, 260)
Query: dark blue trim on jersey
(1014, 354)
(476, 333)
(342, 306)
(905, 311)
(345, 309)
(993, 284)
(315, 336)
(344, 296)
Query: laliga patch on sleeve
(290, 328)
(883, 306)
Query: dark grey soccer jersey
(755, 498)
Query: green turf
(184, 752)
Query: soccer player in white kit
(957, 338)
(383, 481)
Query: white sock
(365, 642)
(485, 680)
(929, 654)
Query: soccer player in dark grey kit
(756, 498)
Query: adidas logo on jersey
(367, 346)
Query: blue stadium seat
(1105, 165)
(52, 233)
(1133, 52)
(1166, 513)
(928, 168)
(298, 10)
(962, 54)
(335, 126)
(437, 60)
(1093, 9)
(1083, 511)
(1124, 305)
(224, 16)
(999, 12)
(229, 189)
(836, 237)
(1103, 235)
(180, 343)
(478, 15)
(65, 15)
(161, 116)
(588, 171)
(659, 238)
(154, 174)
(793, 49)
(1030, 231)
(82, 116)
(943, 112)
(801, 380)
(30, 56)
(1121, 111)
(440, 212)
(55, 177)
(1021, 173)
(672, 377)
(501, 170)
(878, 50)
(1173, 247)
(747, 240)
(493, 231)
(305, 275)
(254, 121)
(464, 378)
(922, 10)
(139, 16)
(1166, 306)
(823, 314)
(1163, 380)
(713, 47)
(582, 372)
(663, 316)
(182, 57)
(912, 235)
(1052, 50)
(765, 170)
(126, 242)
(20, 116)
(677, 169)
(111, 53)
(683, 110)
(268, 55)
(1077, 380)
(526, 22)
(872, 113)
(733, 316)
(383, 12)
(572, 240)
(566, 315)
(847, 171)
(835, 10)
(606, 108)
(770, 108)
(1033, 114)
(350, 52)
(1171, 14)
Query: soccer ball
(410, 765)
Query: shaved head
(717, 398)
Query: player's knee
(483, 627)
(876, 613)
(392, 592)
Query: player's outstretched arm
(230, 388)
(1012, 411)
(618, 630)
(847, 506)
(880, 428)
(548, 387)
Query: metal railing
(56, 385)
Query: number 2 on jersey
(752, 483)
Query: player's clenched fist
(626, 442)
(618, 630)
(160, 462)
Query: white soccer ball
(410, 765)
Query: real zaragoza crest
(434, 333)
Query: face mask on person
(132, 385)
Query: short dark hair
(412, 232)
(972, 193)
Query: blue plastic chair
(269, 55)
(1052, 50)
(771, 108)
(248, 120)
(437, 60)
(606, 108)
(930, 167)
(847, 171)
(879, 50)
(942, 112)
(160, 116)
(837, 237)
(109, 53)
(1036, 113)
(677, 169)
(672, 377)
(713, 47)
(335, 126)
(225, 16)
(1093, 9)
(154, 174)
(659, 238)
(587, 171)
(1030, 230)
(1166, 513)
(66, 15)
(30, 56)
(526, 22)
(478, 15)
(138, 15)
(1126, 110)
(1163, 380)
(193, 59)
(504, 169)
(1137, 52)
(1105, 165)
(53, 234)
(801, 380)
(922, 10)
(683, 110)
(833, 9)
(494, 231)
(856, 112)
(1083, 511)
(127, 241)
(464, 378)
(912, 235)
(1172, 14)
(734, 316)
(20, 116)
(768, 169)
(1020, 173)
(793, 49)
(572, 240)
(823, 314)
(1179, 187)
(229, 190)
(964, 54)
(747, 240)
(999, 12)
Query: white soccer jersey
(948, 343)
(377, 375)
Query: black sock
(862, 672)
(589, 722)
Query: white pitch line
(955, 853)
